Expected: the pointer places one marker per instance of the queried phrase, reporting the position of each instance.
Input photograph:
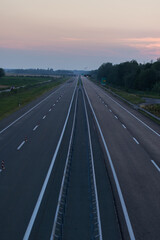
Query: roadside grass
(131, 97)
(12, 101)
(136, 97)
(153, 108)
(22, 80)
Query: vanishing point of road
(79, 165)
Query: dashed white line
(135, 140)
(155, 165)
(110, 110)
(35, 127)
(57, 101)
(123, 126)
(44, 117)
(105, 105)
(115, 116)
(21, 145)
(29, 110)
(54, 105)
(130, 113)
(50, 110)
(37, 206)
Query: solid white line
(35, 211)
(124, 126)
(94, 176)
(35, 128)
(21, 145)
(124, 208)
(135, 140)
(131, 114)
(155, 165)
(44, 117)
(64, 174)
(28, 111)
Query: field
(22, 81)
(32, 88)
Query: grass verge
(136, 97)
(12, 101)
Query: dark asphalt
(132, 140)
(78, 222)
(138, 177)
(26, 169)
(77, 216)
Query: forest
(131, 75)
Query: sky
(78, 34)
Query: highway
(132, 146)
(79, 164)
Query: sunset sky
(73, 34)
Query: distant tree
(2, 72)
(147, 79)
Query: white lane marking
(155, 165)
(94, 176)
(123, 126)
(21, 145)
(64, 174)
(124, 208)
(135, 140)
(54, 105)
(105, 105)
(131, 114)
(57, 101)
(110, 110)
(115, 116)
(50, 110)
(44, 116)
(0, 170)
(37, 206)
(29, 111)
(35, 127)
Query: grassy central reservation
(25, 89)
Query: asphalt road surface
(133, 144)
(79, 164)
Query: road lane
(148, 134)
(139, 179)
(26, 169)
(44, 222)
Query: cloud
(148, 45)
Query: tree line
(2, 72)
(39, 71)
(131, 75)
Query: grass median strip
(12, 101)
